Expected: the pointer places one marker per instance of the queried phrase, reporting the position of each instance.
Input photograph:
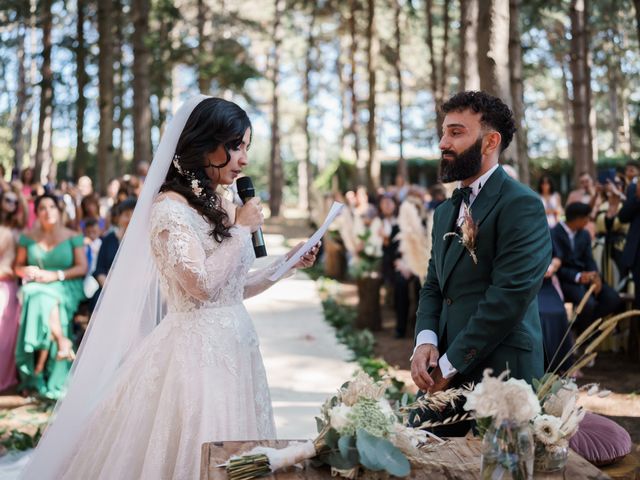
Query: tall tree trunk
(593, 136)
(354, 126)
(493, 59)
(304, 168)
(105, 92)
(397, 64)
(613, 109)
(582, 147)
(344, 117)
(80, 163)
(141, 84)
(438, 72)
(437, 95)
(21, 101)
(374, 167)
(119, 89)
(203, 79)
(566, 107)
(636, 4)
(469, 76)
(276, 174)
(517, 90)
(44, 159)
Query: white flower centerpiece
(557, 423)
(503, 411)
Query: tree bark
(105, 92)
(374, 167)
(80, 163)
(402, 162)
(354, 126)
(517, 91)
(493, 56)
(276, 174)
(582, 147)
(141, 84)
(119, 89)
(203, 80)
(44, 159)
(469, 76)
(21, 100)
(636, 4)
(344, 117)
(304, 167)
(437, 95)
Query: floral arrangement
(357, 429)
(503, 410)
(415, 240)
(368, 256)
(468, 233)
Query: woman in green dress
(52, 263)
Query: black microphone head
(245, 188)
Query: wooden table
(460, 458)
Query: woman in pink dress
(9, 310)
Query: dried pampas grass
(415, 240)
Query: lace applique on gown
(198, 377)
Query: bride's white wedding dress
(198, 377)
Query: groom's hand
(424, 359)
(439, 382)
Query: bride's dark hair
(213, 122)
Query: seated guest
(51, 262)
(578, 270)
(111, 241)
(553, 320)
(630, 213)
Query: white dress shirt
(429, 336)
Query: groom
(478, 305)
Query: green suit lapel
(482, 205)
(446, 222)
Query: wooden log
(369, 309)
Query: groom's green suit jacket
(486, 315)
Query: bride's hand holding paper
(308, 259)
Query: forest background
(340, 92)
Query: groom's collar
(479, 182)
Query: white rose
(338, 416)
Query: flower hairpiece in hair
(176, 164)
(195, 187)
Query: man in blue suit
(630, 213)
(579, 270)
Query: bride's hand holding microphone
(250, 215)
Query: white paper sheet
(336, 208)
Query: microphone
(246, 192)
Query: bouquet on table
(357, 429)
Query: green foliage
(18, 440)
(361, 343)
(380, 454)
(342, 170)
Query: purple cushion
(601, 441)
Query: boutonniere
(469, 231)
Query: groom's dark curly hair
(495, 113)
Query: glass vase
(550, 458)
(507, 452)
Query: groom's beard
(465, 165)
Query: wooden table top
(459, 458)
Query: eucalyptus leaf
(320, 424)
(331, 439)
(348, 450)
(380, 454)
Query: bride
(143, 399)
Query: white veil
(128, 309)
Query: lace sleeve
(180, 253)
(258, 280)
